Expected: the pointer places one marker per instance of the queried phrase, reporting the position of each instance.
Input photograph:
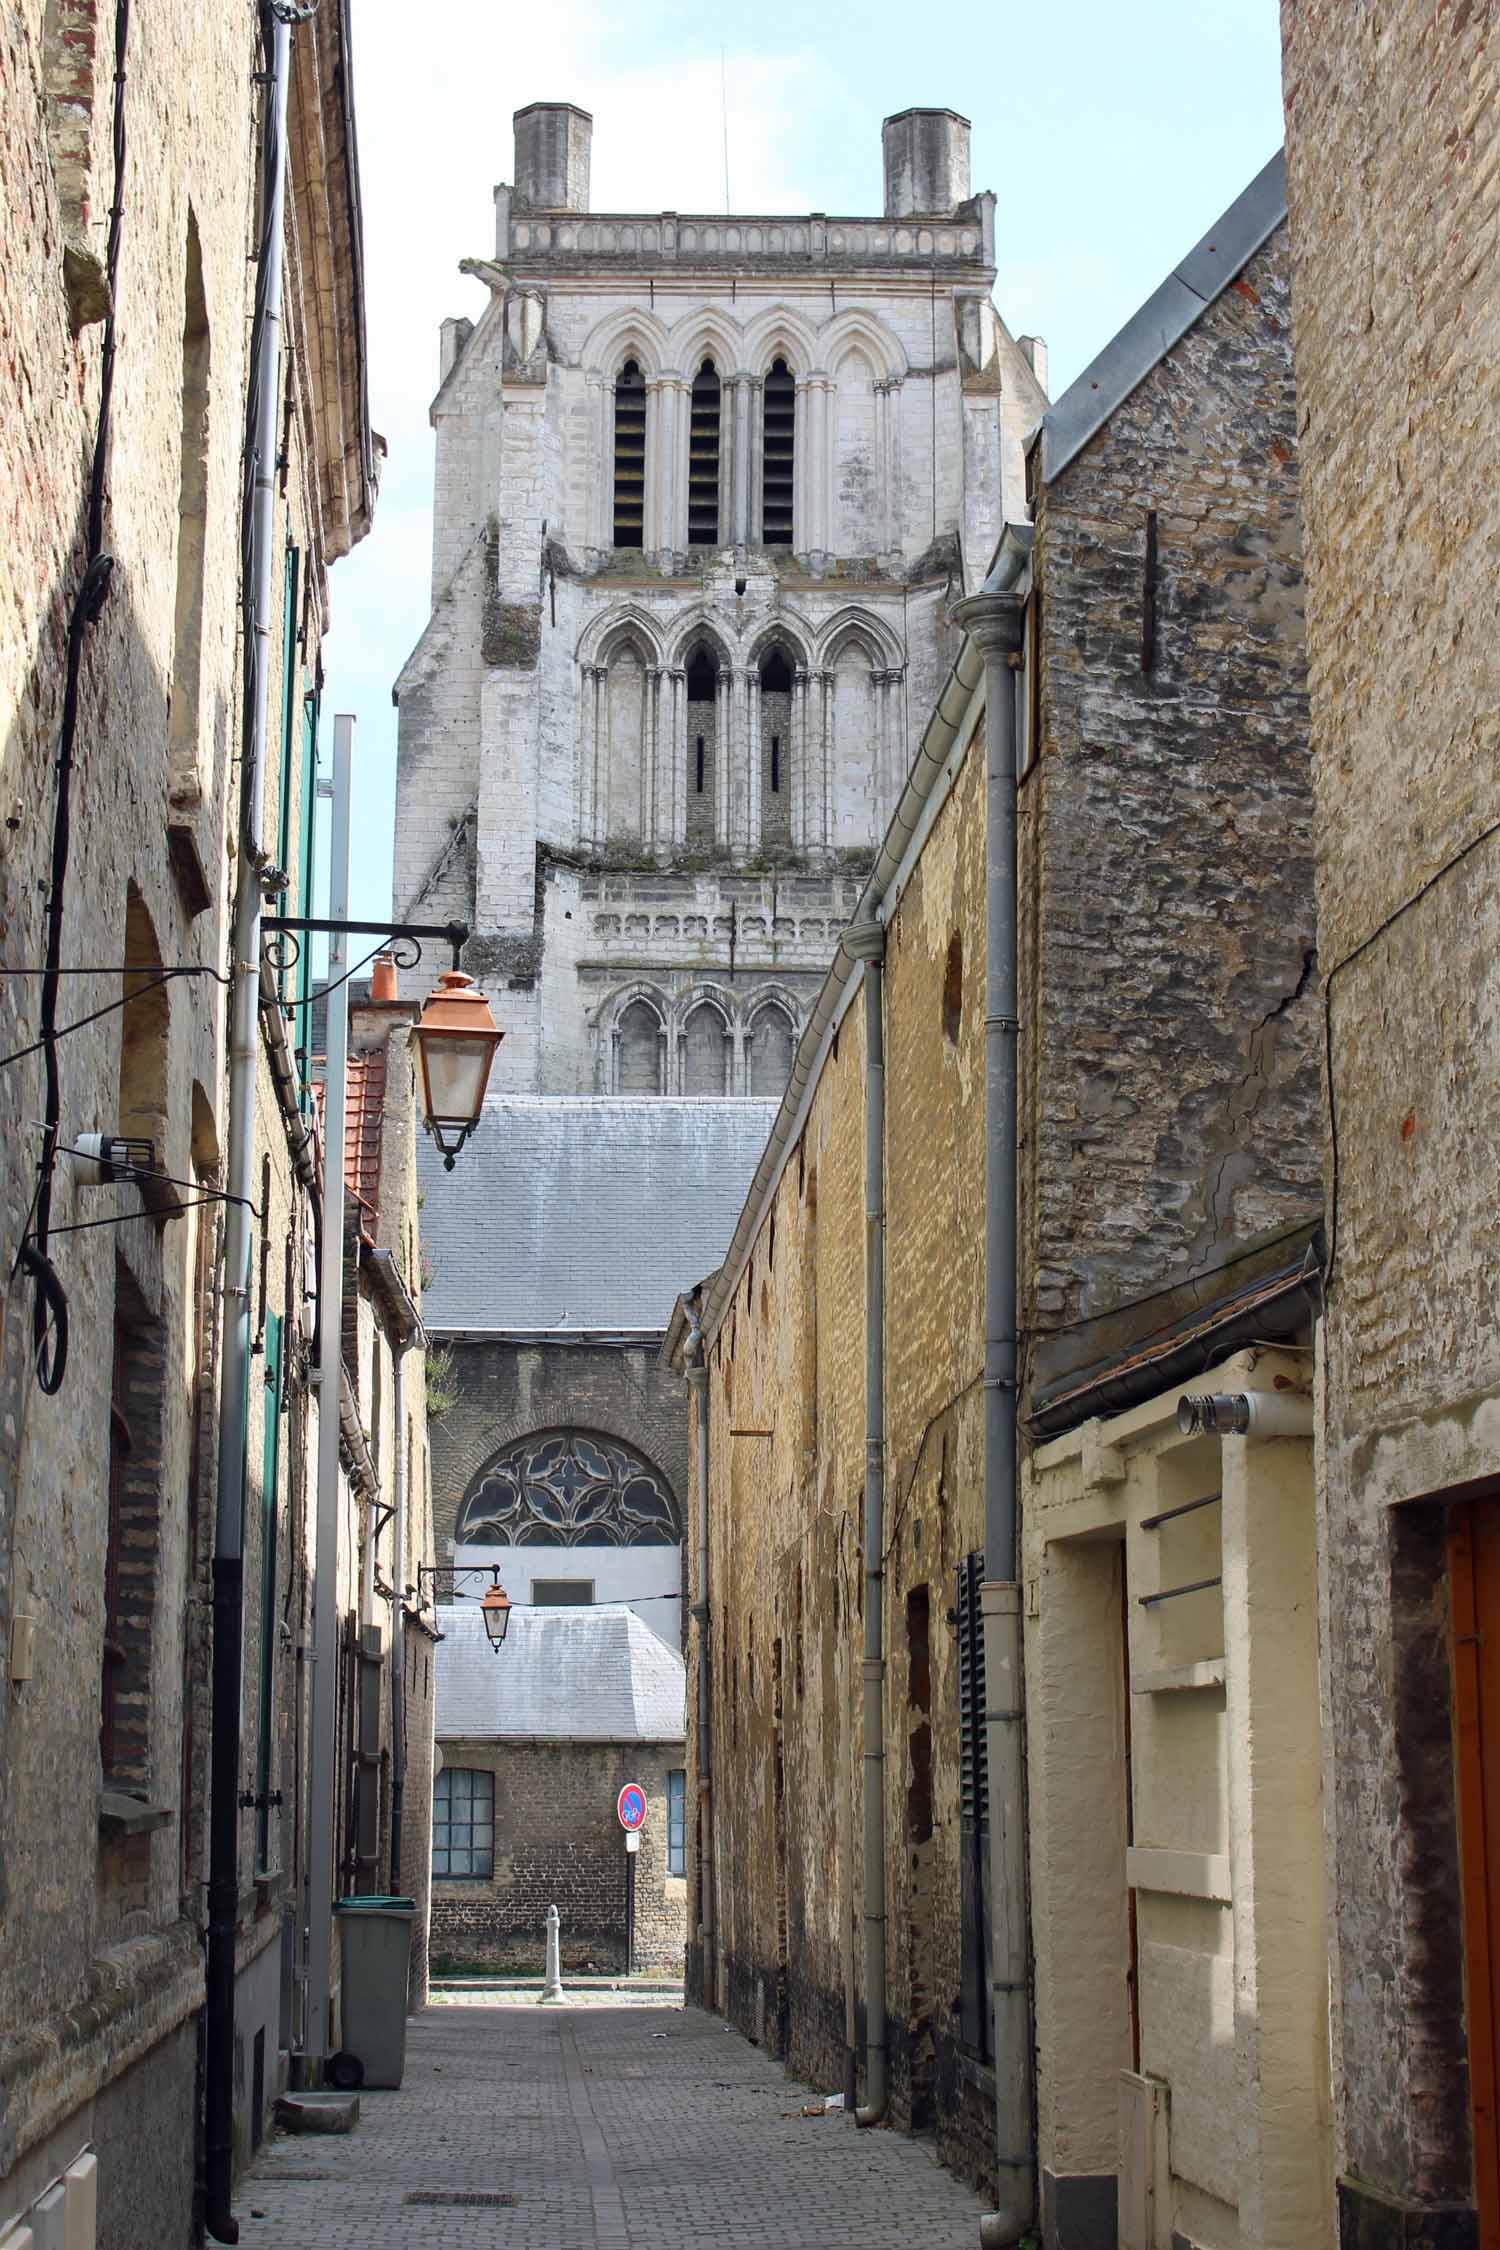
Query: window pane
(460, 1860)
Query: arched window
(772, 1045)
(638, 1045)
(858, 498)
(776, 748)
(192, 526)
(702, 718)
(703, 459)
(625, 710)
(778, 455)
(569, 1488)
(630, 456)
(855, 734)
(705, 1051)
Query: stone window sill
(123, 1813)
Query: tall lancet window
(630, 456)
(775, 749)
(703, 459)
(702, 718)
(778, 456)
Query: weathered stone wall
(101, 1964)
(1392, 124)
(504, 1391)
(787, 1372)
(558, 1842)
(1169, 943)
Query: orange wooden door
(1474, 1576)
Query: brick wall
(558, 1842)
(1392, 124)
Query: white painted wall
(637, 1576)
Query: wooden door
(1474, 1576)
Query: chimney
(553, 140)
(926, 163)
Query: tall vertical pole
(225, 1751)
(323, 1775)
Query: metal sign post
(630, 1810)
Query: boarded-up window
(705, 1052)
(702, 711)
(772, 1044)
(627, 711)
(854, 748)
(638, 1058)
(856, 481)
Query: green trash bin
(375, 1949)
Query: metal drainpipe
(866, 942)
(697, 1375)
(994, 618)
(234, 1385)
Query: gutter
(995, 618)
(696, 1370)
(404, 1321)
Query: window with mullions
(703, 458)
(778, 456)
(677, 1821)
(630, 456)
(463, 1823)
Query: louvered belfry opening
(703, 459)
(630, 456)
(779, 456)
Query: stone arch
(705, 1045)
(706, 333)
(564, 1487)
(772, 1023)
(634, 333)
(602, 631)
(693, 629)
(634, 1040)
(788, 631)
(780, 333)
(880, 347)
(854, 623)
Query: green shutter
(270, 1475)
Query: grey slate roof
(580, 1675)
(570, 1216)
(1146, 338)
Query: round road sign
(632, 1806)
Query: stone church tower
(706, 487)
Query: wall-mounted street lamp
(456, 1035)
(494, 1608)
(456, 1041)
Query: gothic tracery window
(569, 1488)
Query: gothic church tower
(706, 487)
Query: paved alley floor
(585, 2128)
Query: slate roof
(579, 1675)
(1168, 313)
(583, 1216)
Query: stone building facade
(1397, 329)
(1167, 1196)
(537, 1742)
(704, 488)
(107, 1485)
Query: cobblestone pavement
(529, 2128)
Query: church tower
(706, 487)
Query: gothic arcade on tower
(705, 490)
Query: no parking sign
(631, 1807)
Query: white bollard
(552, 1990)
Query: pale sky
(1113, 133)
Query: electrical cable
(81, 1023)
(49, 1320)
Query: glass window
(677, 1822)
(463, 1823)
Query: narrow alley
(598, 2128)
